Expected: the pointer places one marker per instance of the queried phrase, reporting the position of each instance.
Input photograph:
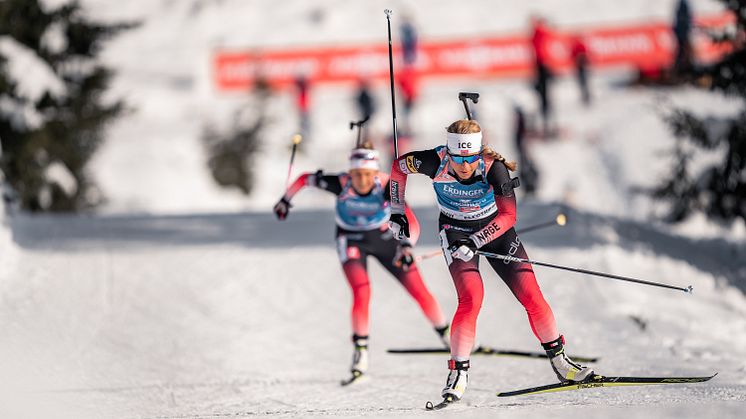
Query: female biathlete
(477, 211)
(362, 213)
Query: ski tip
(447, 401)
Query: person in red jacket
(540, 43)
(579, 55)
(477, 211)
(362, 213)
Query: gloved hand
(399, 226)
(403, 257)
(318, 178)
(282, 208)
(463, 249)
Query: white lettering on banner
(482, 56)
(289, 68)
(239, 71)
(357, 64)
(636, 43)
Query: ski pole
(508, 258)
(391, 78)
(560, 219)
(297, 138)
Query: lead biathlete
(477, 204)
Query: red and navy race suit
(483, 209)
(362, 230)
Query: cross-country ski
(602, 381)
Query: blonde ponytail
(488, 152)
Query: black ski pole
(391, 78)
(508, 258)
(297, 138)
(560, 220)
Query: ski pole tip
(297, 138)
(689, 289)
(561, 219)
(388, 12)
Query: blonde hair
(464, 126)
(467, 126)
(367, 145)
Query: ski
(356, 377)
(487, 350)
(448, 400)
(603, 381)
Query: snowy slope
(192, 316)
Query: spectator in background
(407, 81)
(366, 104)
(540, 43)
(408, 41)
(527, 170)
(682, 27)
(579, 55)
(303, 106)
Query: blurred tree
(718, 190)
(230, 154)
(58, 128)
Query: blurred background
(144, 143)
(177, 107)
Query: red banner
(643, 46)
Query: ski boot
(445, 335)
(566, 369)
(359, 360)
(458, 379)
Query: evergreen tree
(719, 190)
(230, 154)
(72, 123)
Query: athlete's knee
(533, 302)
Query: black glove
(463, 249)
(403, 257)
(317, 178)
(399, 225)
(282, 208)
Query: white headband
(363, 158)
(464, 144)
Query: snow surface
(185, 300)
(222, 315)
